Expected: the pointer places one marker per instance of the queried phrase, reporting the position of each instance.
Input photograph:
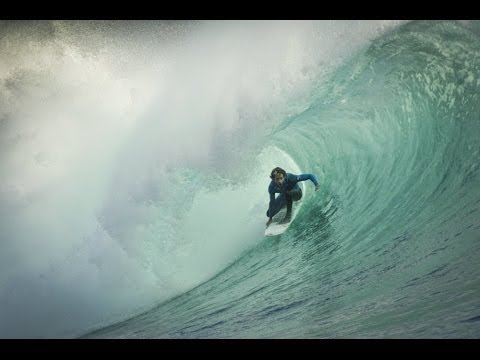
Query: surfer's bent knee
(297, 195)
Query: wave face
(156, 193)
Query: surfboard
(275, 228)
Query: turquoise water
(389, 246)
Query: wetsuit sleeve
(272, 199)
(304, 177)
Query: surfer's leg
(293, 195)
(288, 215)
(296, 194)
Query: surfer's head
(278, 175)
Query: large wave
(135, 158)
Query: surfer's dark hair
(276, 171)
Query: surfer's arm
(311, 177)
(272, 201)
(271, 192)
(272, 198)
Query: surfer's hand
(317, 187)
(269, 222)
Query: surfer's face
(279, 179)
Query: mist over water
(135, 155)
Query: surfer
(287, 185)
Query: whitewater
(135, 161)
